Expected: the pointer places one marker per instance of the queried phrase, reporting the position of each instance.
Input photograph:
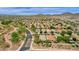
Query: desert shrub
(69, 33)
(63, 33)
(52, 32)
(37, 40)
(21, 23)
(66, 39)
(52, 27)
(15, 37)
(63, 39)
(33, 28)
(22, 29)
(59, 38)
(69, 27)
(6, 22)
(47, 43)
(1, 39)
(77, 33)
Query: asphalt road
(26, 45)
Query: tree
(69, 33)
(77, 33)
(37, 40)
(52, 32)
(52, 27)
(22, 29)
(69, 27)
(15, 37)
(63, 32)
(21, 23)
(63, 38)
(33, 28)
(66, 39)
(59, 38)
(6, 22)
(1, 40)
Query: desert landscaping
(12, 34)
(44, 32)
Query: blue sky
(37, 10)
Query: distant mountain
(67, 13)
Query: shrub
(21, 23)
(77, 33)
(15, 37)
(22, 29)
(63, 32)
(33, 28)
(69, 27)
(66, 39)
(59, 38)
(63, 39)
(52, 27)
(47, 43)
(1, 39)
(6, 22)
(69, 33)
(52, 32)
(74, 45)
(37, 40)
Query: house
(42, 37)
(51, 37)
(48, 31)
(59, 27)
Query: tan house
(59, 27)
(51, 37)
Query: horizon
(37, 10)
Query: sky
(37, 10)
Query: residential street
(27, 43)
